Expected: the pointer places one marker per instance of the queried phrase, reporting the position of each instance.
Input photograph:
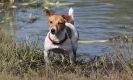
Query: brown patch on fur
(67, 18)
(49, 12)
(57, 21)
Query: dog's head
(57, 22)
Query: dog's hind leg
(74, 53)
(72, 57)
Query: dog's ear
(67, 18)
(48, 12)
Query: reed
(25, 61)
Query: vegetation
(25, 61)
(35, 3)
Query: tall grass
(24, 61)
(18, 58)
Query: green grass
(24, 61)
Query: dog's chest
(65, 46)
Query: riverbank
(25, 61)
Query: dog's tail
(71, 13)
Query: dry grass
(24, 61)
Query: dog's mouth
(54, 31)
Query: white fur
(71, 13)
(49, 45)
(70, 45)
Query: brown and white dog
(62, 35)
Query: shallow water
(94, 19)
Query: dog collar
(58, 42)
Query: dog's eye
(51, 22)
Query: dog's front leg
(63, 58)
(72, 57)
(46, 56)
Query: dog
(62, 36)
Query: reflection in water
(8, 20)
(95, 19)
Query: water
(94, 19)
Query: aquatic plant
(56, 3)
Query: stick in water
(91, 41)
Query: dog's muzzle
(53, 31)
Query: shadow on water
(94, 19)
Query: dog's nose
(53, 31)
